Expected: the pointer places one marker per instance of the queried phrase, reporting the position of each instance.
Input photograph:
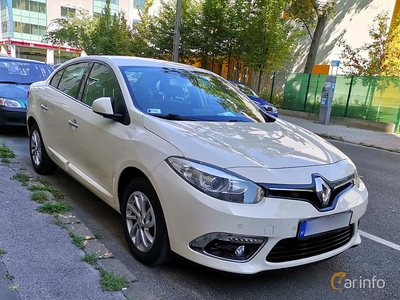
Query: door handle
(73, 123)
(44, 106)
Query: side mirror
(104, 107)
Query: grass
(331, 137)
(97, 235)
(21, 177)
(5, 160)
(77, 240)
(57, 194)
(39, 197)
(9, 276)
(54, 208)
(90, 258)
(2, 252)
(61, 224)
(6, 152)
(110, 282)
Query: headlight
(217, 183)
(274, 110)
(356, 176)
(10, 103)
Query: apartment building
(25, 22)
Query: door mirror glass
(104, 107)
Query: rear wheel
(144, 224)
(40, 160)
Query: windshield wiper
(176, 117)
(14, 82)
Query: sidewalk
(352, 135)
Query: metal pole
(348, 96)
(272, 87)
(177, 35)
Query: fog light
(228, 246)
(240, 251)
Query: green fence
(361, 97)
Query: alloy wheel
(141, 221)
(36, 147)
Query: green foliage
(2, 252)
(97, 235)
(77, 240)
(57, 194)
(90, 258)
(5, 160)
(21, 177)
(9, 277)
(6, 152)
(39, 197)
(354, 60)
(104, 35)
(54, 208)
(110, 282)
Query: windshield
(23, 72)
(198, 96)
(246, 90)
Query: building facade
(25, 22)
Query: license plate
(324, 224)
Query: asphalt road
(181, 279)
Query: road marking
(379, 240)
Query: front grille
(295, 248)
(310, 196)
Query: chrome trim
(72, 123)
(44, 106)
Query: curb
(106, 260)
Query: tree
(367, 59)
(391, 61)
(106, 34)
(313, 15)
(268, 38)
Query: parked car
(15, 77)
(194, 166)
(249, 92)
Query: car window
(101, 83)
(23, 71)
(188, 93)
(71, 79)
(56, 78)
(246, 90)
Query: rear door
(57, 105)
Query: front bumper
(12, 116)
(190, 214)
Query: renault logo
(323, 191)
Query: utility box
(326, 100)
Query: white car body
(100, 150)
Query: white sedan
(193, 166)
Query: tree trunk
(259, 82)
(204, 61)
(312, 54)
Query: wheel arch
(30, 122)
(126, 176)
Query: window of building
(17, 27)
(35, 29)
(68, 12)
(139, 4)
(26, 28)
(31, 5)
(42, 30)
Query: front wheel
(40, 160)
(144, 224)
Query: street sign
(335, 63)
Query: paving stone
(119, 269)
(94, 246)
(68, 219)
(81, 230)
(137, 290)
(32, 183)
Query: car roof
(138, 61)
(22, 60)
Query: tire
(40, 160)
(157, 252)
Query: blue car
(16, 75)
(249, 92)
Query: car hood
(13, 91)
(242, 144)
